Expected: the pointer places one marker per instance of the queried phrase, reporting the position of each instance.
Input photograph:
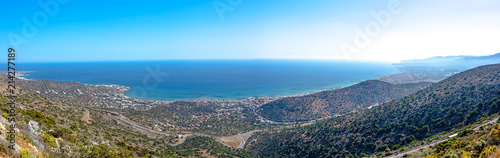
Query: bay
(212, 79)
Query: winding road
(140, 127)
(84, 118)
(181, 141)
(241, 137)
(288, 123)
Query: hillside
(48, 128)
(216, 117)
(454, 102)
(196, 117)
(336, 102)
(483, 142)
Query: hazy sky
(92, 30)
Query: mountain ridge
(450, 58)
(337, 102)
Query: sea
(172, 80)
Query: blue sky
(94, 30)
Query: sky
(364, 30)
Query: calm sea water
(212, 79)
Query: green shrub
(465, 132)
(25, 154)
(59, 132)
(74, 127)
(6, 115)
(50, 140)
(40, 117)
(396, 147)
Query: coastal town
(113, 96)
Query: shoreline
(22, 74)
(250, 100)
(120, 87)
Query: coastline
(225, 80)
(248, 101)
(22, 74)
(260, 100)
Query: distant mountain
(454, 102)
(336, 102)
(452, 62)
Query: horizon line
(152, 60)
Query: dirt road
(241, 137)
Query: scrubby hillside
(337, 102)
(468, 143)
(48, 128)
(457, 101)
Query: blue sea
(212, 79)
